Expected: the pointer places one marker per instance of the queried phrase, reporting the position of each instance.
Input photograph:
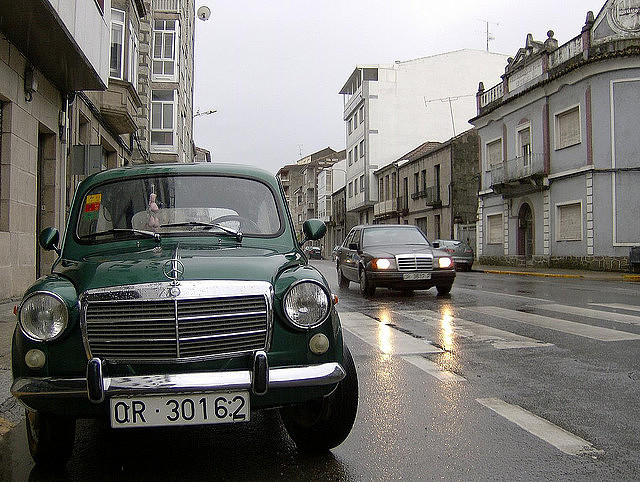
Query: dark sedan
(394, 256)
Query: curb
(631, 277)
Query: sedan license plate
(192, 409)
(416, 276)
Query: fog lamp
(35, 359)
(319, 344)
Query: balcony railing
(433, 196)
(385, 207)
(494, 93)
(166, 5)
(517, 169)
(419, 194)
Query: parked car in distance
(460, 251)
(334, 252)
(394, 256)
(180, 296)
(313, 252)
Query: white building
(391, 109)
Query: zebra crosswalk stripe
(543, 429)
(564, 326)
(589, 313)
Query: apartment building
(165, 121)
(48, 51)
(559, 144)
(84, 86)
(389, 109)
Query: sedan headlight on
(381, 263)
(306, 304)
(43, 316)
(445, 262)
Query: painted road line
(617, 306)
(383, 336)
(433, 369)
(556, 324)
(501, 295)
(499, 339)
(596, 314)
(543, 429)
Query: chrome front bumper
(95, 387)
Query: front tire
(51, 438)
(444, 289)
(367, 288)
(320, 425)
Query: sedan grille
(136, 328)
(414, 262)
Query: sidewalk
(558, 273)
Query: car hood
(150, 266)
(390, 251)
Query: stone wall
(593, 263)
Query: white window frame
(362, 183)
(362, 148)
(174, 128)
(486, 152)
(558, 208)
(176, 51)
(361, 110)
(134, 49)
(556, 128)
(121, 24)
(490, 240)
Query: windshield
(178, 205)
(382, 236)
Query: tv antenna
(300, 150)
(450, 100)
(489, 35)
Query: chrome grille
(132, 327)
(414, 262)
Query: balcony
(403, 205)
(386, 208)
(520, 175)
(119, 106)
(432, 195)
(418, 194)
(166, 6)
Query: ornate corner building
(560, 147)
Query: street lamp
(206, 112)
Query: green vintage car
(181, 296)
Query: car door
(350, 255)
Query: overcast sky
(273, 68)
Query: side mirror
(49, 239)
(436, 245)
(313, 229)
(353, 246)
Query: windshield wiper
(232, 232)
(142, 232)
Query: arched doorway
(525, 231)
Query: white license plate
(415, 276)
(192, 409)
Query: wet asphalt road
(424, 414)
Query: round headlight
(43, 316)
(306, 304)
